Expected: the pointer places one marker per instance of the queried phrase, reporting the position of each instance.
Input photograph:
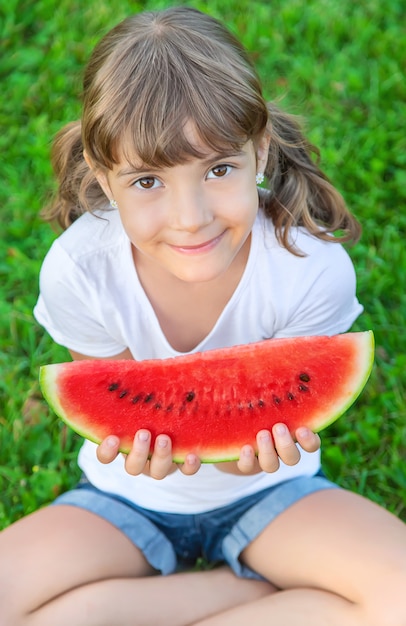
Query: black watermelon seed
(250, 405)
(290, 396)
(136, 399)
(277, 400)
(123, 393)
(169, 407)
(303, 388)
(190, 396)
(113, 387)
(149, 397)
(304, 377)
(261, 403)
(158, 406)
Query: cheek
(239, 213)
(140, 225)
(250, 209)
(244, 202)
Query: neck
(188, 311)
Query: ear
(100, 175)
(263, 150)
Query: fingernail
(110, 442)
(280, 429)
(162, 442)
(303, 432)
(143, 436)
(191, 459)
(265, 437)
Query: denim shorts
(174, 542)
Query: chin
(199, 275)
(197, 278)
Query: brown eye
(220, 170)
(148, 182)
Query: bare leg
(338, 559)
(64, 566)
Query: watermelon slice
(212, 403)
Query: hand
(275, 446)
(137, 462)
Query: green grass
(340, 64)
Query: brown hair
(152, 73)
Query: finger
(247, 462)
(307, 439)
(108, 449)
(190, 465)
(284, 445)
(161, 460)
(138, 455)
(267, 455)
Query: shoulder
(78, 285)
(90, 233)
(93, 247)
(315, 255)
(310, 294)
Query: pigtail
(77, 188)
(300, 193)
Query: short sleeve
(322, 296)
(68, 307)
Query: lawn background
(338, 63)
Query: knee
(10, 601)
(388, 607)
(8, 616)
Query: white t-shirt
(92, 302)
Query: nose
(190, 209)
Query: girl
(171, 248)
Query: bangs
(170, 81)
(156, 131)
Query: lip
(199, 248)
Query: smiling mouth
(201, 247)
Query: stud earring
(259, 178)
(113, 204)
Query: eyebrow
(133, 170)
(219, 156)
(215, 156)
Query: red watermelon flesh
(212, 403)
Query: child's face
(191, 219)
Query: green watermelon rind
(48, 375)
(366, 364)
(48, 382)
